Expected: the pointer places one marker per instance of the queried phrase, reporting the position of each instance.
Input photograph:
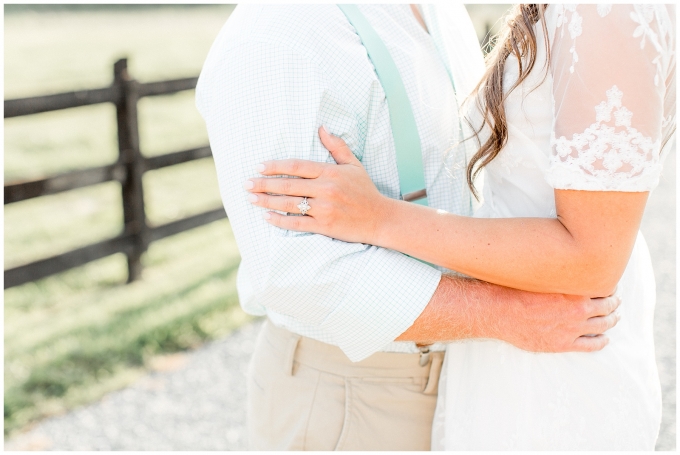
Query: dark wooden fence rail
(129, 168)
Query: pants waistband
(330, 359)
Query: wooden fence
(128, 170)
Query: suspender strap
(404, 130)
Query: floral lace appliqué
(644, 15)
(606, 156)
(575, 27)
(575, 21)
(603, 9)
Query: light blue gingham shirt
(273, 76)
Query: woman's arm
(584, 251)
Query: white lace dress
(596, 122)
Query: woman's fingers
(281, 203)
(291, 223)
(339, 150)
(290, 187)
(299, 168)
(310, 169)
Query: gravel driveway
(197, 403)
(198, 406)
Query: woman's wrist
(385, 221)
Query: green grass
(73, 337)
(85, 330)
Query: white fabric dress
(594, 120)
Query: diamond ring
(303, 206)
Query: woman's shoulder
(654, 21)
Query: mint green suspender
(404, 130)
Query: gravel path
(197, 403)
(198, 406)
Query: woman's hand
(344, 202)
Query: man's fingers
(291, 223)
(299, 168)
(339, 150)
(601, 324)
(589, 344)
(604, 306)
(281, 203)
(288, 187)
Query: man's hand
(556, 322)
(464, 308)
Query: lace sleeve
(611, 66)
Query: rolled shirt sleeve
(261, 101)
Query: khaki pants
(307, 395)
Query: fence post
(133, 162)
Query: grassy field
(72, 337)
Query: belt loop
(432, 385)
(290, 353)
(424, 354)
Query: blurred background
(92, 362)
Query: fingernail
(252, 198)
(249, 185)
(260, 168)
(323, 127)
(266, 215)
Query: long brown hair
(517, 37)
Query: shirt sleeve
(264, 101)
(610, 65)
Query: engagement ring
(303, 206)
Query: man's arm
(467, 308)
(263, 100)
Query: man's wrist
(461, 308)
(480, 302)
(490, 310)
